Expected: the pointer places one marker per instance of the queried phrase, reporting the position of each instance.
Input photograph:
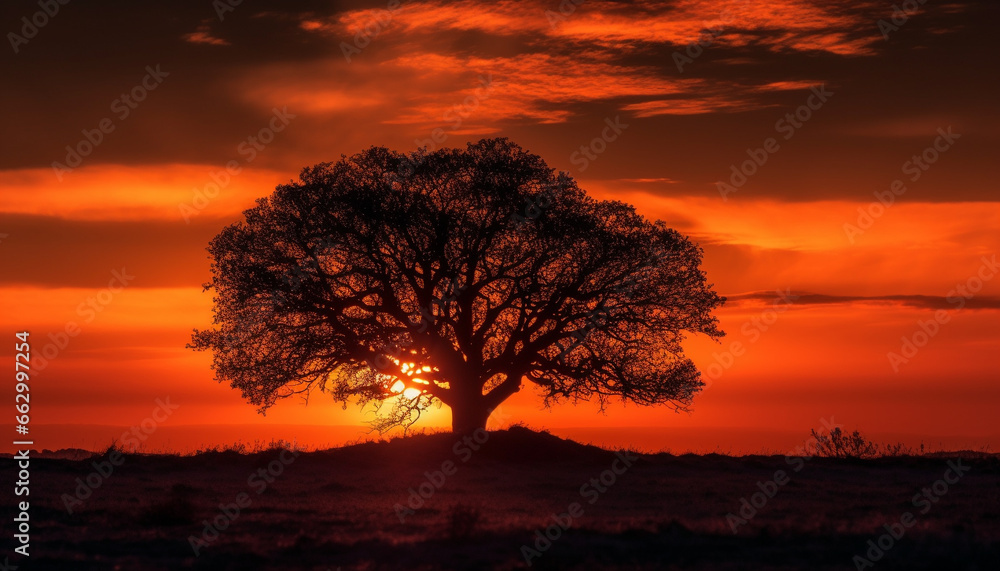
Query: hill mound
(511, 445)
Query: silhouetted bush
(839, 444)
(244, 448)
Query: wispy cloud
(203, 35)
(547, 61)
(917, 301)
(837, 27)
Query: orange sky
(137, 205)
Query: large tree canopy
(453, 277)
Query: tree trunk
(471, 408)
(469, 415)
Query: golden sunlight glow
(409, 369)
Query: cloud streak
(915, 301)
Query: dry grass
(335, 509)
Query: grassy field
(429, 502)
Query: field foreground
(431, 502)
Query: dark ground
(335, 509)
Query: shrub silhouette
(839, 444)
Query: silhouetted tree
(453, 276)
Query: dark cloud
(48, 251)
(917, 301)
(890, 94)
(89, 54)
